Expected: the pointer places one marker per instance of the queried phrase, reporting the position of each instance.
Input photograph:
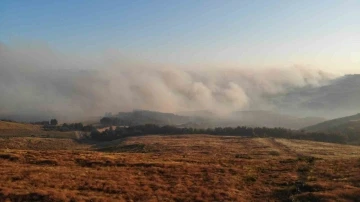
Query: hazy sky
(321, 33)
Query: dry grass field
(13, 129)
(179, 168)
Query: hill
(15, 129)
(18, 129)
(138, 117)
(340, 97)
(205, 119)
(273, 119)
(349, 126)
(335, 123)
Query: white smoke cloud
(36, 81)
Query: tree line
(70, 127)
(242, 131)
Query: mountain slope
(15, 129)
(138, 117)
(273, 119)
(336, 123)
(18, 128)
(349, 126)
(199, 119)
(339, 98)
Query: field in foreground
(179, 168)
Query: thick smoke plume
(37, 82)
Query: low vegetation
(184, 168)
(11, 128)
(69, 127)
(348, 126)
(174, 164)
(121, 132)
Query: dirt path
(303, 164)
(281, 147)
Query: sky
(323, 34)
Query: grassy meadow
(178, 168)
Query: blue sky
(322, 33)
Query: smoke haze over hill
(38, 82)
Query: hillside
(336, 124)
(184, 168)
(138, 117)
(349, 126)
(340, 97)
(15, 129)
(273, 119)
(204, 119)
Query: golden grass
(182, 168)
(36, 143)
(13, 129)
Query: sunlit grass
(180, 168)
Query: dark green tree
(53, 122)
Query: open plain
(178, 168)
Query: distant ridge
(340, 97)
(348, 126)
(335, 123)
(274, 119)
(138, 117)
(205, 119)
(15, 128)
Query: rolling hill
(18, 129)
(15, 129)
(340, 97)
(349, 126)
(336, 124)
(273, 119)
(202, 119)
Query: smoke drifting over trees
(36, 82)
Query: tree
(106, 121)
(53, 122)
